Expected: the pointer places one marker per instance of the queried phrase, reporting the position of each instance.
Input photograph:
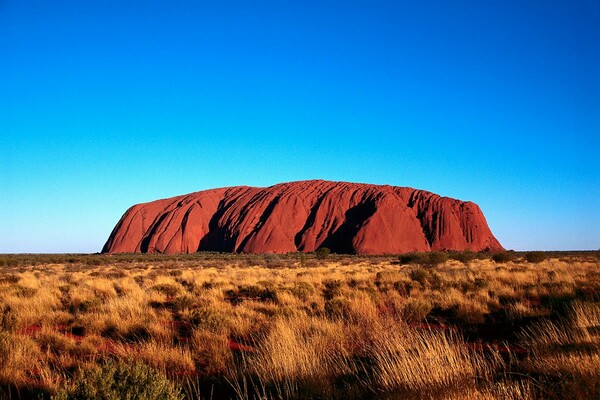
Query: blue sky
(107, 104)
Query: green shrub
(535, 256)
(503, 257)
(431, 258)
(302, 260)
(464, 257)
(411, 258)
(118, 380)
(436, 258)
(303, 290)
(87, 305)
(209, 319)
(93, 261)
(183, 302)
(322, 253)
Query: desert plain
(457, 325)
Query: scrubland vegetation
(422, 326)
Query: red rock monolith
(303, 216)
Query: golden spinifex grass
(223, 326)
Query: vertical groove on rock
(310, 221)
(261, 221)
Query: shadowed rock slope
(303, 216)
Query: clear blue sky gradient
(104, 104)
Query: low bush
(322, 253)
(411, 258)
(183, 302)
(436, 258)
(503, 257)
(209, 319)
(118, 380)
(303, 290)
(337, 308)
(87, 305)
(431, 258)
(535, 256)
(464, 257)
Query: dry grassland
(289, 327)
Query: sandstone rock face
(303, 216)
